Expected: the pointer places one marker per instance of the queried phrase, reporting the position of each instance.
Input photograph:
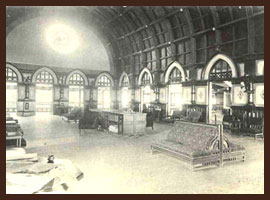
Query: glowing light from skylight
(62, 38)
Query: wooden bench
(255, 127)
(193, 116)
(199, 145)
(74, 115)
(176, 115)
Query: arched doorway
(174, 77)
(76, 88)
(44, 91)
(13, 76)
(104, 82)
(124, 84)
(145, 80)
(219, 71)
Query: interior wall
(26, 44)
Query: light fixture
(62, 38)
(181, 9)
(214, 28)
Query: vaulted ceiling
(136, 37)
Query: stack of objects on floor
(26, 173)
(14, 133)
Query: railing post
(220, 130)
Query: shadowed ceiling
(136, 37)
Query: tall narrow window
(175, 90)
(104, 92)
(11, 90)
(145, 79)
(125, 97)
(44, 92)
(76, 85)
(175, 76)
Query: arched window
(104, 92)
(76, 79)
(175, 76)
(104, 81)
(145, 79)
(11, 75)
(124, 82)
(44, 91)
(11, 90)
(44, 77)
(220, 70)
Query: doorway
(175, 97)
(104, 97)
(44, 97)
(76, 96)
(125, 97)
(11, 97)
(220, 101)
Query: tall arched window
(125, 82)
(175, 76)
(124, 92)
(44, 91)
(220, 100)
(104, 81)
(76, 85)
(104, 91)
(145, 79)
(220, 70)
(11, 90)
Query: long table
(126, 122)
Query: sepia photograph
(135, 99)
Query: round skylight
(62, 38)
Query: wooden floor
(124, 164)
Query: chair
(88, 121)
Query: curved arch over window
(145, 77)
(220, 70)
(124, 80)
(212, 62)
(10, 76)
(173, 66)
(104, 80)
(76, 80)
(44, 77)
(175, 76)
(43, 74)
